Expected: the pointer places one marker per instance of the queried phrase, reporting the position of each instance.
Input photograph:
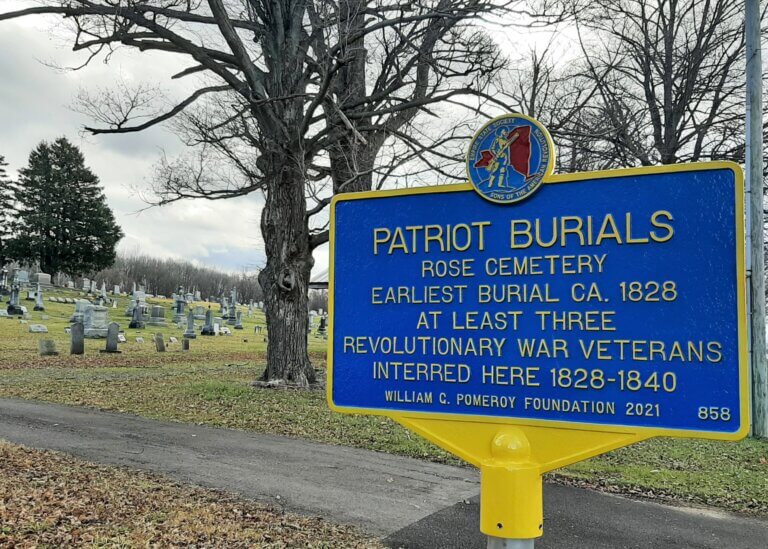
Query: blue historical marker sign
(612, 299)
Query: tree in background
(653, 83)
(290, 93)
(164, 276)
(6, 211)
(63, 221)
(669, 76)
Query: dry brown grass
(48, 499)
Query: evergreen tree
(6, 211)
(64, 222)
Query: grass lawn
(209, 385)
(51, 500)
(18, 348)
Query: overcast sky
(35, 105)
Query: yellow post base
(511, 494)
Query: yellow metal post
(511, 499)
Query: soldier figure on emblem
(509, 148)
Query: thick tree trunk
(285, 279)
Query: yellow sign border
(645, 432)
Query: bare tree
(164, 276)
(669, 76)
(557, 94)
(291, 93)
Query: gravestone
(226, 331)
(137, 322)
(116, 290)
(77, 342)
(208, 326)
(93, 287)
(190, 331)
(21, 278)
(232, 310)
(159, 343)
(14, 306)
(239, 321)
(39, 305)
(38, 329)
(47, 347)
(257, 329)
(198, 296)
(121, 338)
(41, 279)
(179, 307)
(86, 284)
(216, 328)
(4, 313)
(185, 344)
(158, 316)
(53, 299)
(199, 312)
(79, 314)
(67, 330)
(139, 340)
(112, 331)
(172, 339)
(139, 304)
(114, 304)
(95, 320)
(70, 285)
(321, 328)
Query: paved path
(409, 503)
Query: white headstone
(96, 321)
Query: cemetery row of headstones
(90, 320)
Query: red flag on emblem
(520, 150)
(485, 161)
(518, 153)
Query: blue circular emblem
(509, 157)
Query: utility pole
(754, 196)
